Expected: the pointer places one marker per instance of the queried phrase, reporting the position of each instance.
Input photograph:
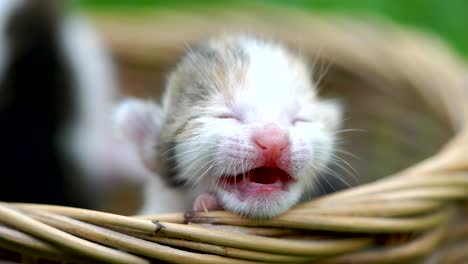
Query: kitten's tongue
(257, 182)
(267, 175)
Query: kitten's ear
(332, 113)
(139, 122)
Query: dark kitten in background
(56, 90)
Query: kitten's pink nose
(271, 139)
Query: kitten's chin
(261, 206)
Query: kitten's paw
(206, 202)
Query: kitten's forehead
(274, 83)
(244, 72)
(275, 78)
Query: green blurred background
(444, 18)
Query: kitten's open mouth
(257, 182)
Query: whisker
(338, 162)
(186, 171)
(190, 151)
(340, 178)
(348, 153)
(180, 144)
(316, 172)
(192, 160)
(199, 178)
(219, 178)
(349, 130)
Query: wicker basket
(406, 90)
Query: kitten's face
(246, 125)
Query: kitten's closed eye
(297, 120)
(228, 115)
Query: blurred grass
(447, 19)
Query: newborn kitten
(239, 127)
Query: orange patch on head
(240, 75)
(234, 81)
(190, 129)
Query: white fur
(160, 199)
(276, 90)
(139, 122)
